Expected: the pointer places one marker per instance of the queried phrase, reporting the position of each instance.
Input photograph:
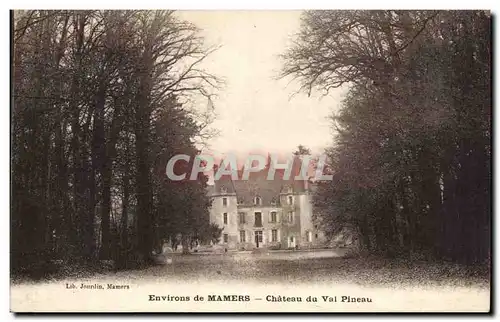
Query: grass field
(313, 267)
(393, 285)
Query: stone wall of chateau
(311, 237)
(293, 225)
(291, 221)
(217, 216)
(249, 225)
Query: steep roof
(258, 184)
(210, 190)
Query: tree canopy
(411, 156)
(100, 103)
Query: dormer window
(257, 201)
(273, 201)
(290, 200)
(289, 190)
(223, 189)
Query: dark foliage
(412, 154)
(99, 106)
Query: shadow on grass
(294, 267)
(298, 269)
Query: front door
(258, 238)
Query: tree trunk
(143, 182)
(185, 244)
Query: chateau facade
(261, 213)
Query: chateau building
(261, 213)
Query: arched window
(258, 200)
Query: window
(290, 216)
(257, 201)
(274, 216)
(242, 217)
(258, 236)
(258, 219)
(290, 200)
(226, 238)
(289, 189)
(223, 189)
(224, 202)
(240, 201)
(274, 235)
(316, 236)
(309, 236)
(225, 218)
(273, 201)
(242, 236)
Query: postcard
(250, 161)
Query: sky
(255, 111)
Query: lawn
(322, 266)
(391, 285)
